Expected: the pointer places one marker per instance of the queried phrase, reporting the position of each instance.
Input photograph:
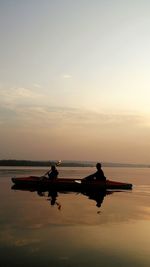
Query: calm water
(72, 229)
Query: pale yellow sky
(74, 80)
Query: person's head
(53, 167)
(98, 165)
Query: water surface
(74, 229)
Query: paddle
(58, 162)
(81, 180)
(78, 181)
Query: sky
(74, 80)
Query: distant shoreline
(30, 163)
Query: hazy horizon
(74, 80)
(75, 161)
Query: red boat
(70, 184)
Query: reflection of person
(53, 197)
(53, 173)
(97, 196)
(98, 175)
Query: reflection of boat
(52, 195)
(69, 184)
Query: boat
(68, 184)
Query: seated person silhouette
(98, 175)
(53, 173)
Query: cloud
(61, 117)
(15, 92)
(27, 107)
(66, 76)
(73, 132)
(11, 97)
(37, 85)
(23, 92)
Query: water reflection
(52, 198)
(53, 195)
(97, 196)
(50, 195)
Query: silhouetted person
(98, 175)
(53, 173)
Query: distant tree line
(30, 163)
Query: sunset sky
(75, 80)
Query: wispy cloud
(12, 96)
(28, 107)
(15, 92)
(66, 76)
(37, 85)
(59, 117)
(73, 131)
